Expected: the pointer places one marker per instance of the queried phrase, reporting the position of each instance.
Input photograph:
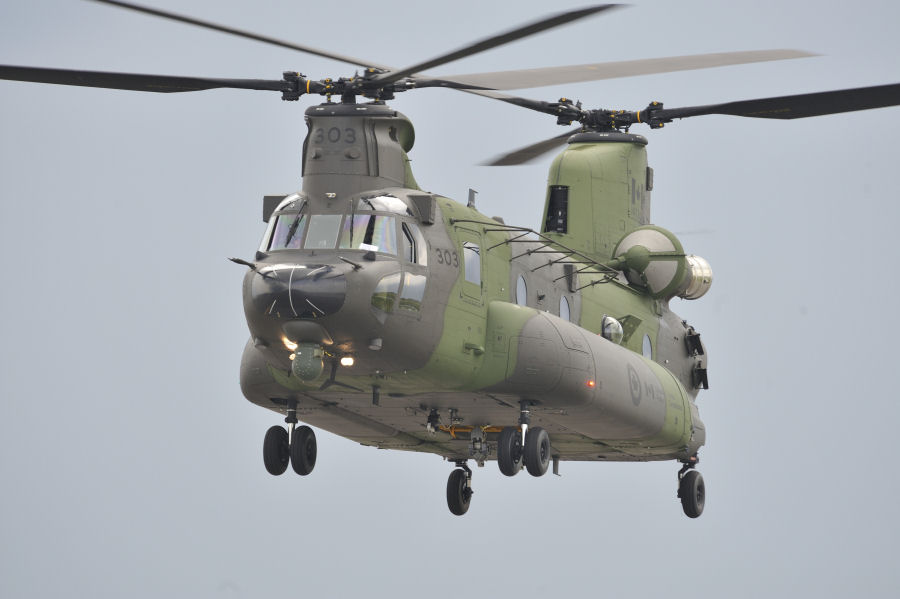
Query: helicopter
(394, 338)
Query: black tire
(509, 451)
(692, 492)
(303, 450)
(459, 495)
(276, 452)
(537, 451)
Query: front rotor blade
(532, 152)
(527, 78)
(497, 40)
(132, 81)
(795, 107)
(246, 34)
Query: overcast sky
(130, 463)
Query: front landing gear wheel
(509, 451)
(276, 451)
(537, 451)
(459, 492)
(692, 492)
(303, 450)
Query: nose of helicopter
(298, 291)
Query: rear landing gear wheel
(303, 450)
(692, 493)
(459, 491)
(537, 451)
(276, 451)
(509, 451)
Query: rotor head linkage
(602, 119)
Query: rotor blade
(538, 105)
(527, 78)
(795, 107)
(246, 34)
(132, 81)
(497, 40)
(532, 152)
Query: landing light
(591, 384)
(288, 343)
(347, 361)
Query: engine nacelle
(653, 258)
(699, 279)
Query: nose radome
(292, 291)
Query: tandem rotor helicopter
(402, 319)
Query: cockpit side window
(370, 232)
(414, 248)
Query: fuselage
(453, 319)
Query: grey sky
(131, 464)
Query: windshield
(323, 231)
(370, 232)
(365, 231)
(288, 231)
(384, 203)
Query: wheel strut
(524, 418)
(291, 420)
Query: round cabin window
(521, 291)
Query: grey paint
(182, 506)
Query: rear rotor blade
(527, 78)
(797, 106)
(532, 152)
(497, 40)
(246, 34)
(538, 105)
(132, 81)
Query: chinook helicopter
(401, 319)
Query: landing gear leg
(512, 448)
(691, 490)
(459, 489)
(296, 446)
(524, 418)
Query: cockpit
(383, 224)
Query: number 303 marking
(447, 257)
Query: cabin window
(323, 231)
(647, 347)
(521, 291)
(472, 261)
(557, 220)
(413, 292)
(288, 232)
(370, 232)
(413, 242)
(564, 308)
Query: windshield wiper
(292, 230)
